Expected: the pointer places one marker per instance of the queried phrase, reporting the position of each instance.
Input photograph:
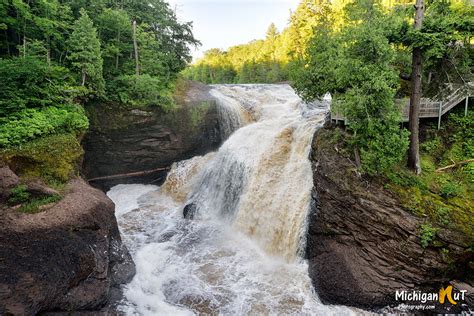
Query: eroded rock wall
(363, 246)
(123, 140)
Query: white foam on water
(127, 202)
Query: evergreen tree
(271, 39)
(356, 67)
(86, 55)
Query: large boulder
(362, 246)
(124, 141)
(8, 180)
(68, 258)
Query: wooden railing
(429, 108)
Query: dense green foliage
(29, 83)
(37, 100)
(85, 55)
(427, 234)
(355, 65)
(31, 123)
(19, 196)
(141, 91)
(360, 58)
(445, 40)
(56, 56)
(445, 199)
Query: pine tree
(272, 35)
(85, 55)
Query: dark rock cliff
(68, 258)
(363, 246)
(123, 140)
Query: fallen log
(454, 165)
(129, 175)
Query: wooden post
(440, 113)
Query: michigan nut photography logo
(429, 299)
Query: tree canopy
(55, 54)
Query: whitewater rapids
(242, 254)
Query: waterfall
(260, 180)
(240, 254)
(231, 114)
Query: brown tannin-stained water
(242, 253)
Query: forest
(360, 52)
(363, 53)
(57, 55)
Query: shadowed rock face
(8, 180)
(67, 258)
(122, 141)
(363, 246)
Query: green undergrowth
(39, 204)
(141, 92)
(444, 198)
(19, 196)
(53, 158)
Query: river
(242, 254)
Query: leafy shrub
(18, 195)
(32, 83)
(450, 189)
(405, 179)
(427, 234)
(443, 215)
(32, 123)
(464, 132)
(433, 146)
(141, 91)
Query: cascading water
(251, 198)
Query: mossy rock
(54, 158)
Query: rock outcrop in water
(124, 140)
(68, 258)
(363, 246)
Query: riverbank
(60, 234)
(364, 244)
(66, 256)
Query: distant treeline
(272, 59)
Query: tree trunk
(24, 46)
(7, 43)
(415, 98)
(83, 78)
(48, 52)
(135, 48)
(118, 52)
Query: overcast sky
(225, 23)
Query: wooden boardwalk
(429, 108)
